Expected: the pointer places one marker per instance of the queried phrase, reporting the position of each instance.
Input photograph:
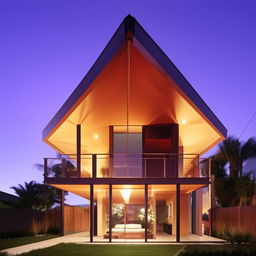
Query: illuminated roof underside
(133, 83)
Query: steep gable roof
(130, 28)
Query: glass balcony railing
(147, 165)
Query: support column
(91, 212)
(45, 168)
(62, 205)
(178, 213)
(94, 165)
(110, 212)
(78, 149)
(146, 212)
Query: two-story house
(131, 137)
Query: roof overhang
(158, 93)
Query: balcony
(146, 165)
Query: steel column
(146, 212)
(45, 168)
(110, 212)
(178, 213)
(78, 149)
(91, 212)
(94, 166)
(62, 205)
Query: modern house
(131, 138)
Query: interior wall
(199, 212)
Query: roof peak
(129, 23)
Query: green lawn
(106, 250)
(228, 247)
(13, 242)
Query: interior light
(183, 121)
(96, 136)
(126, 193)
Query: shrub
(45, 225)
(36, 227)
(53, 230)
(14, 234)
(237, 237)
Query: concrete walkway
(80, 238)
(73, 238)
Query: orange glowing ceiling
(133, 89)
(136, 194)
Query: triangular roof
(131, 29)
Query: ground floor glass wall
(139, 212)
(162, 212)
(128, 212)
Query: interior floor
(161, 237)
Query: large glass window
(162, 213)
(192, 203)
(128, 212)
(127, 158)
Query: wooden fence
(76, 219)
(239, 219)
(21, 219)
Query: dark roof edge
(169, 67)
(130, 24)
(110, 49)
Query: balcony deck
(127, 168)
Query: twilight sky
(47, 47)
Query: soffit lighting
(95, 136)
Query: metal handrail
(191, 162)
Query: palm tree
(218, 166)
(36, 196)
(27, 195)
(236, 153)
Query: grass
(13, 242)
(228, 247)
(106, 250)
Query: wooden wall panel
(76, 219)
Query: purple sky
(47, 47)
